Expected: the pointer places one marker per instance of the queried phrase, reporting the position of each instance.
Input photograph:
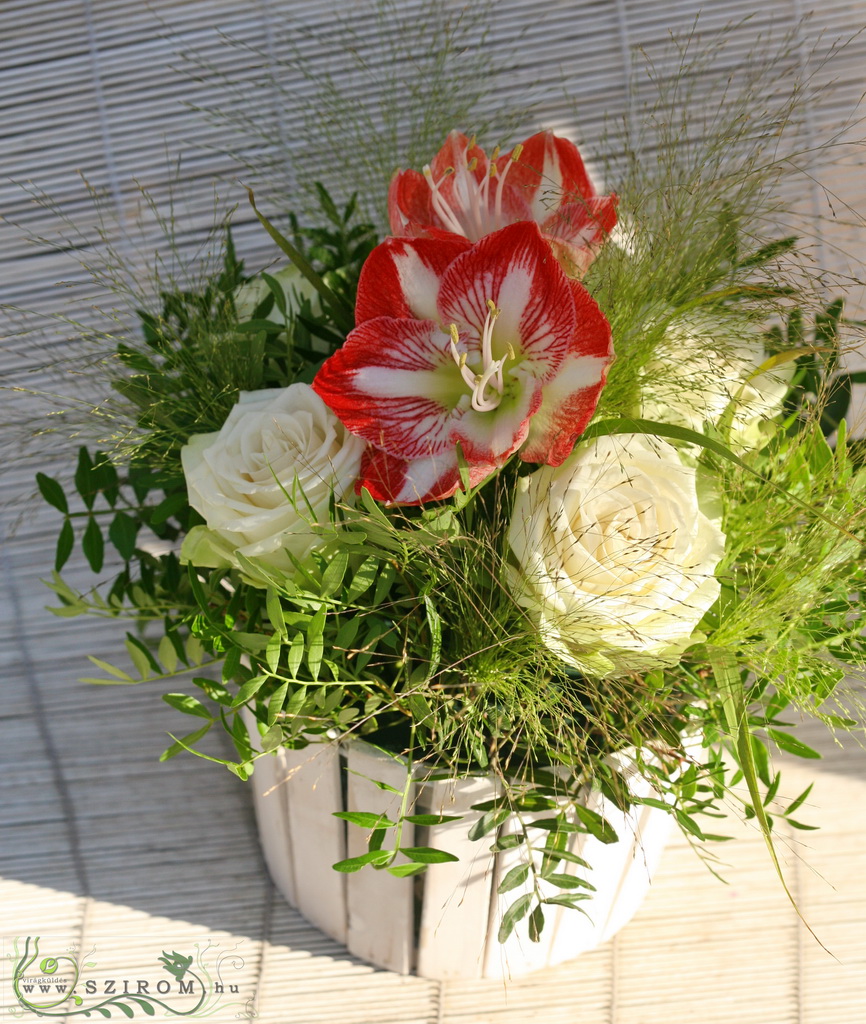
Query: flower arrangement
(505, 492)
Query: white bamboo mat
(103, 847)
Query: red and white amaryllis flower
(463, 192)
(487, 346)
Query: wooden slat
(317, 838)
(456, 907)
(381, 907)
(269, 782)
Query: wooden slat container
(442, 924)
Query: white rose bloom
(266, 477)
(618, 547)
(295, 287)
(694, 377)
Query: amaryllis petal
(434, 199)
(582, 223)
(463, 193)
(512, 269)
(391, 479)
(391, 383)
(570, 398)
(482, 436)
(548, 170)
(400, 277)
(576, 231)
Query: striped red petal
(401, 277)
(570, 397)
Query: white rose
(693, 377)
(295, 287)
(266, 477)
(618, 547)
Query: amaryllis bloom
(463, 192)
(489, 347)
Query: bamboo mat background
(102, 846)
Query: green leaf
(167, 654)
(277, 291)
(516, 912)
(340, 310)
(142, 665)
(431, 819)
(769, 251)
(556, 825)
(536, 924)
(52, 492)
(249, 689)
(275, 704)
(332, 577)
(241, 739)
(488, 822)
(362, 579)
(365, 819)
(93, 545)
(83, 481)
(795, 804)
(188, 741)
(572, 858)
(356, 863)
(187, 704)
(216, 691)
(514, 878)
(111, 670)
(275, 611)
(800, 825)
(510, 841)
(168, 507)
(272, 739)
(688, 823)
(434, 624)
(727, 677)
(296, 654)
(773, 789)
(569, 900)
(596, 824)
(65, 543)
(784, 741)
(273, 651)
(562, 881)
(195, 652)
(105, 478)
(315, 642)
(404, 870)
(427, 855)
(142, 657)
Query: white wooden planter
(441, 924)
